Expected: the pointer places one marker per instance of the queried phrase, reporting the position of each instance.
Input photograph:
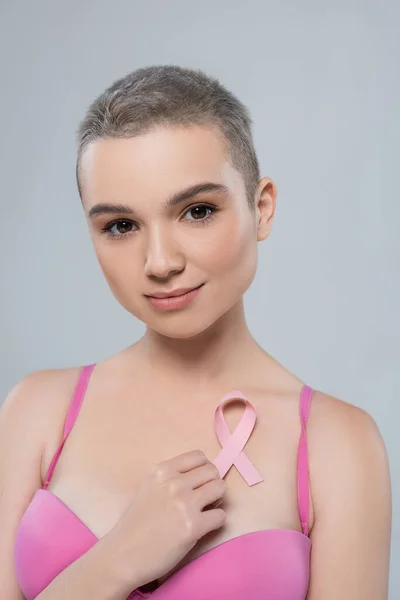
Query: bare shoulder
(344, 442)
(38, 395)
(351, 491)
(34, 410)
(338, 428)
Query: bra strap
(72, 414)
(302, 460)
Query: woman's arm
(26, 420)
(94, 575)
(351, 490)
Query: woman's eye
(118, 228)
(200, 212)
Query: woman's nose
(163, 257)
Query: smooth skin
(155, 399)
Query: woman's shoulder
(327, 412)
(38, 392)
(343, 439)
(340, 435)
(346, 450)
(37, 404)
(332, 417)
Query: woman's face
(147, 246)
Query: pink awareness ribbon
(232, 452)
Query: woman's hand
(167, 516)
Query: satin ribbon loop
(232, 452)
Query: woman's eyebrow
(176, 198)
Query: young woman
(191, 464)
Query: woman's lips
(175, 302)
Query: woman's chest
(108, 454)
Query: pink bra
(270, 564)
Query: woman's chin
(178, 332)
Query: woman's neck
(216, 352)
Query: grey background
(321, 81)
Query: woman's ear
(265, 203)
